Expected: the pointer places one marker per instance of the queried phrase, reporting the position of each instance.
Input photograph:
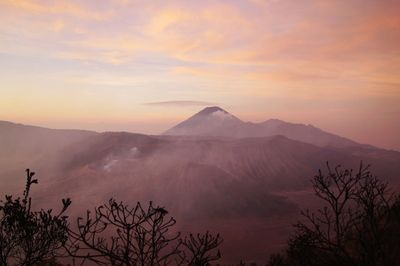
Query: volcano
(215, 121)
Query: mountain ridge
(206, 123)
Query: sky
(143, 66)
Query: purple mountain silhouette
(215, 121)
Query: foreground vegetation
(113, 234)
(358, 224)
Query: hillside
(215, 121)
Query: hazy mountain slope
(179, 171)
(214, 121)
(249, 189)
(23, 146)
(171, 171)
(24, 139)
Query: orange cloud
(57, 7)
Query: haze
(143, 66)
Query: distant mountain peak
(211, 109)
(215, 113)
(215, 121)
(206, 123)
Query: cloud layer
(180, 103)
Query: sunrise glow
(143, 66)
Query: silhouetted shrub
(116, 234)
(356, 226)
(202, 248)
(30, 237)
